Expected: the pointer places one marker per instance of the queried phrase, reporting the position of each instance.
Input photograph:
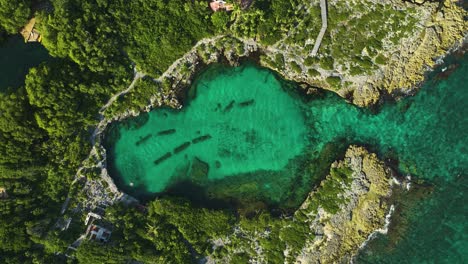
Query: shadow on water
(16, 58)
(246, 193)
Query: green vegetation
(356, 33)
(310, 61)
(65, 97)
(94, 252)
(45, 124)
(327, 195)
(308, 26)
(295, 67)
(44, 130)
(334, 82)
(100, 35)
(140, 95)
(220, 21)
(13, 15)
(327, 63)
(279, 61)
(160, 235)
(266, 20)
(380, 59)
(313, 72)
(352, 34)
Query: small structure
(218, 5)
(3, 193)
(98, 233)
(30, 34)
(92, 216)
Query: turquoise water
(16, 58)
(229, 130)
(246, 134)
(435, 229)
(259, 150)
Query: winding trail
(138, 75)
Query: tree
(93, 252)
(19, 133)
(14, 14)
(220, 21)
(179, 213)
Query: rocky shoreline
(340, 235)
(342, 214)
(439, 29)
(231, 50)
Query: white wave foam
(383, 230)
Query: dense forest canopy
(14, 14)
(152, 34)
(103, 35)
(44, 137)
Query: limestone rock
(363, 212)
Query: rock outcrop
(350, 205)
(340, 234)
(444, 27)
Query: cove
(244, 134)
(240, 136)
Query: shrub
(309, 61)
(327, 63)
(356, 70)
(381, 59)
(334, 82)
(279, 60)
(313, 73)
(295, 67)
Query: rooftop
(29, 33)
(218, 5)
